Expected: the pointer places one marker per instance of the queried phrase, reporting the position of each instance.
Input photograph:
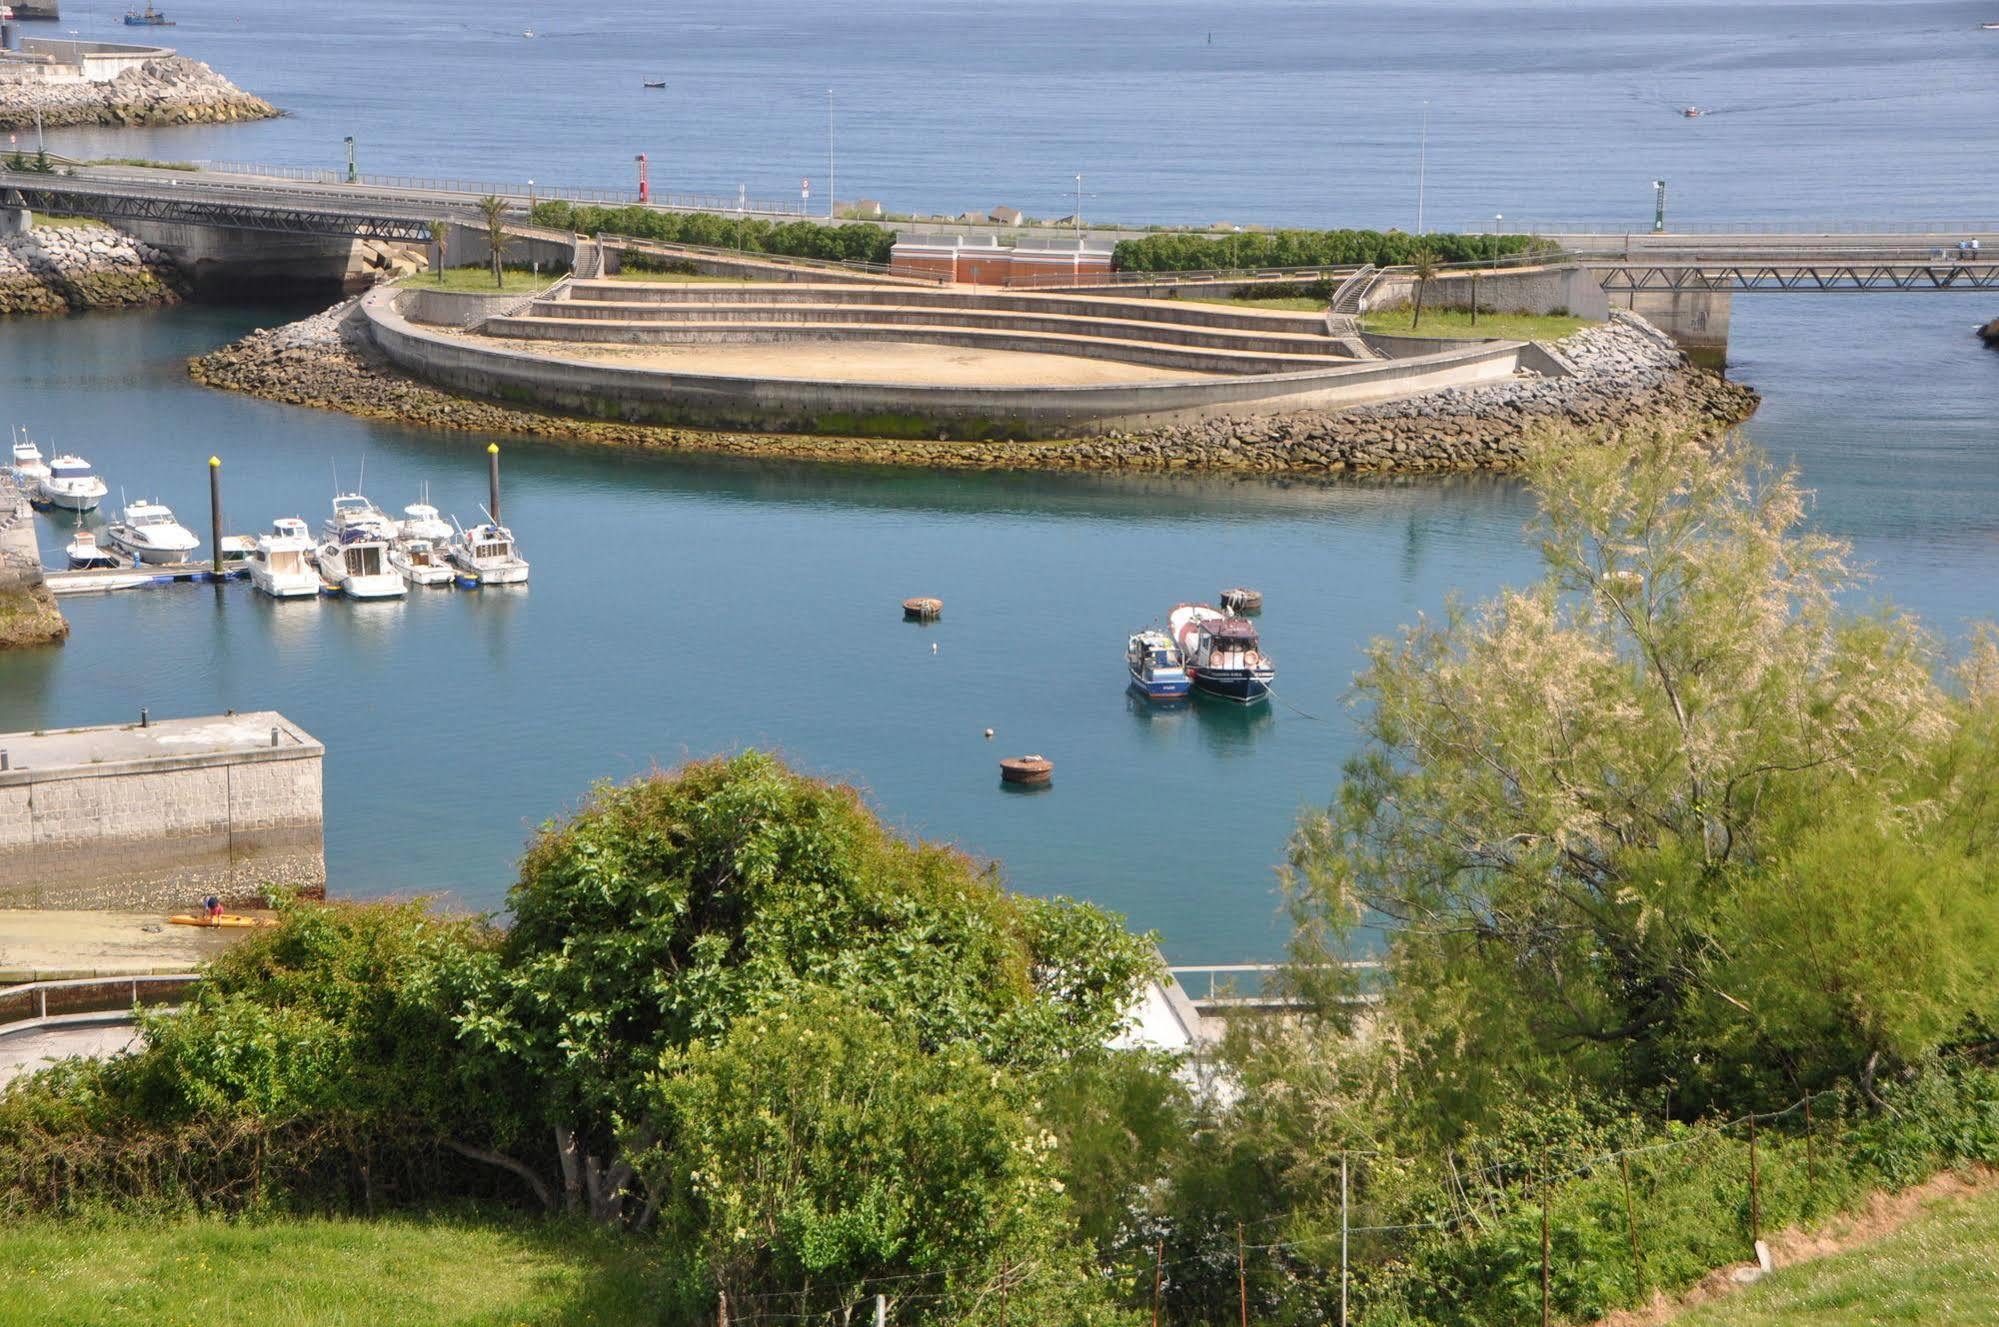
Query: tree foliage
(852, 243)
(1668, 816)
(1311, 248)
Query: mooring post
(493, 479)
(215, 510)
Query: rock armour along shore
(56, 269)
(172, 90)
(1624, 372)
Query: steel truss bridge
(1821, 273)
(198, 203)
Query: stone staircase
(1182, 335)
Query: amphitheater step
(1191, 359)
(1184, 312)
(1035, 320)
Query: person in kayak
(212, 906)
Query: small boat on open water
(1157, 670)
(282, 565)
(487, 555)
(149, 532)
(1223, 654)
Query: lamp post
(1079, 203)
(832, 180)
(1658, 207)
(530, 200)
(1422, 166)
(353, 176)
(1498, 220)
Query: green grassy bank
(319, 1273)
(1941, 1270)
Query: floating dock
(103, 580)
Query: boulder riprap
(1622, 372)
(29, 617)
(54, 269)
(170, 90)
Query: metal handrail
(1791, 227)
(597, 195)
(34, 996)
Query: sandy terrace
(868, 361)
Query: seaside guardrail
(600, 195)
(35, 1005)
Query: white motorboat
(29, 467)
(86, 554)
(149, 532)
(421, 561)
(421, 521)
(353, 513)
(282, 565)
(358, 566)
(487, 555)
(70, 485)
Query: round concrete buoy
(989, 734)
(1242, 600)
(922, 610)
(1027, 769)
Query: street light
(352, 176)
(832, 180)
(530, 199)
(1658, 207)
(1497, 220)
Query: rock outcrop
(29, 617)
(1623, 372)
(170, 90)
(1990, 333)
(56, 269)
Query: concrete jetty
(160, 813)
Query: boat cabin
(365, 559)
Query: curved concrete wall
(612, 390)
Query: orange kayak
(226, 919)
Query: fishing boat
(1156, 667)
(354, 514)
(70, 485)
(487, 555)
(356, 564)
(1223, 655)
(29, 467)
(147, 18)
(86, 554)
(1692, 112)
(651, 84)
(421, 521)
(149, 532)
(421, 562)
(282, 565)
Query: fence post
(1343, 1239)
(1755, 1189)
(1241, 1276)
(1158, 1273)
(881, 1311)
(1811, 1161)
(1546, 1199)
(721, 1308)
(1631, 1224)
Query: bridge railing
(1223, 985)
(600, 195)
(42, 1002)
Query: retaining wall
(160, 817)
(611, 390)
(1535, 290)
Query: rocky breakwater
(1623, 372)
(170, 90)
(28, 612)
(54, 269)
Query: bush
(1310, 248)
(851, 243)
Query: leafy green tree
(817, 1155)
(494, 212)
(1667, 817)
(670, 907)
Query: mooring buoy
(1027, 769)
(1241, 599)
(922, 609)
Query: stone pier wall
(162, 832)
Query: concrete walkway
(29, 1051)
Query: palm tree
(1424, 268)
(440, 230)
(495, 211)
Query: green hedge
(1310, 248)
(854, 243)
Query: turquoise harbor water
(681, 607)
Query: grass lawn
(479, 280)
(689, 278)
(1939, 1270)
(48, 219)
(1456, 323)
(309, 1273)
(1296, 304)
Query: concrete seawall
(608, 390)
(158, 816)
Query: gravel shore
(1625, 371)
